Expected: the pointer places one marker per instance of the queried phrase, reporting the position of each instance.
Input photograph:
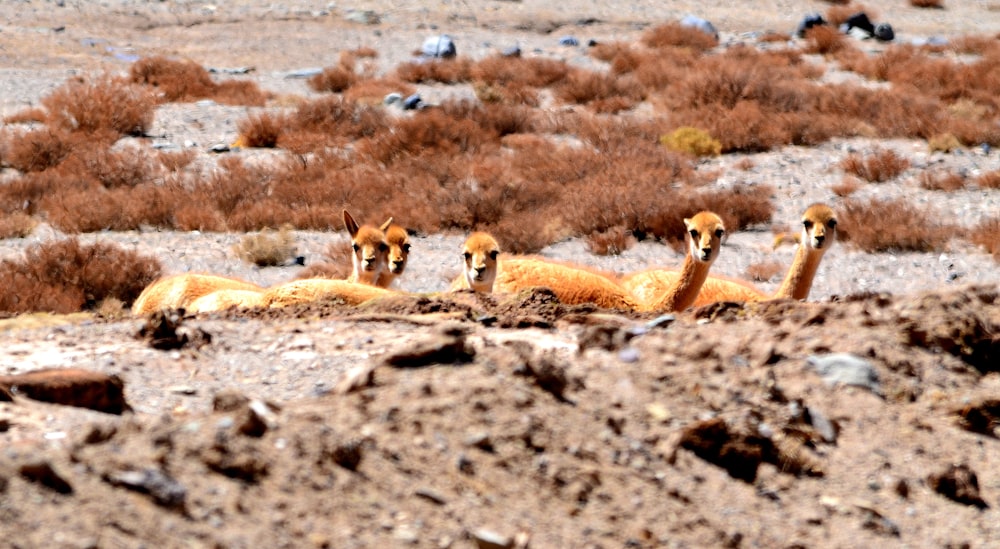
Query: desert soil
(865, 417)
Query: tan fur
(818, 234)
(573, 285)
(179, 291)
(369, 251)
(399, 253)
(667, 290)
(316, 289)
(479, 269)
(221, 300)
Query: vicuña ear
(385, 226)
(687, 223)
(351, 224)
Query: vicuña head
(399, 253)
(819, 232)
(479, 270)
(370, 250)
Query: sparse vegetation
(267, 248)
(879, 166)
(498, 164)
(892, 225)
(692, 141)
(941, 180)
(66, 276)
(987, 235)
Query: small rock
(958, 483)
(808, 22)
(41, 472)
(164, 489)
(365, 17)
(70, 387)
(513, 51)
(446, 347)
(305, 73)
(412, 102)
(488, 539)
(480, 440)
(219, 148)
(355, 379)
(629, 355)
(824, 427)
(439, 47)
(392, 98)
(569, 41)
(846, 369)
(430, 495)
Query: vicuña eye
(493, 254)
(694, 233)
(832, 223)
(406, 248)
(808, 224)
(356, 247)
(719, 233)
(468, 256)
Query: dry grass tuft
(268, 248)
(613, 241)
(824, 40)
(177, 80)
(893, 225)
(879, 166)
(989, 180)
(847, 186)
(764, 272)
(941, 180)
(987, 235)
(65, 276)
(692, 141)
(932, 4)
(103, 105)
(17, 225)
(675, 35)
(262, 129)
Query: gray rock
(365, 17)
(703, 25)
(846, 369)
(441, 47)
(488, 539)
(569, 41)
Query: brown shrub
(988, 180)
(444, 71)
(186, 80)
(941, 180)
(196, 217)
(773, 36)
(36, 150)
(123, 167)
(262, 129)
(824, 39)
(847, 186)
(27, 116)
(879, 166)
(174, 161)
(339, 121)
(535, 72)
(892, 225)
(935, 4)
(764, 272)
(675, 35)
(65, 276)
(371, 91)
(333, 79)
(613, 241)
(16, 225)
(987, 235)
(103, 105)
(267, 248)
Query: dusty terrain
(864, 418)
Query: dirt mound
(597, 429)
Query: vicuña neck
(685, 291)
(800, 275)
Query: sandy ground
(553, 426)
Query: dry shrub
(692, 141)
(587, 87)
(65, 276)
(892, 225)
(745, 164)
(113, 168)
(17, 225)
(267, 248)
(27, 116)
(371, 91)
(174, 161)
(988, 180)
(740, 206)
(261, 129)
(429, 132)
(535, 72)
(824, 39)
(675, 35)
(38, 149)
(764, 272)
(333, 79)
(934, 4)
(774, 36)
(196, 217)
(103, 105)
(987, 235)
(338, 121)
(941, 180)
(847, 186)
(944, 142)
(613, 241)
(444, 71)
(177, 80)
(879, 166)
